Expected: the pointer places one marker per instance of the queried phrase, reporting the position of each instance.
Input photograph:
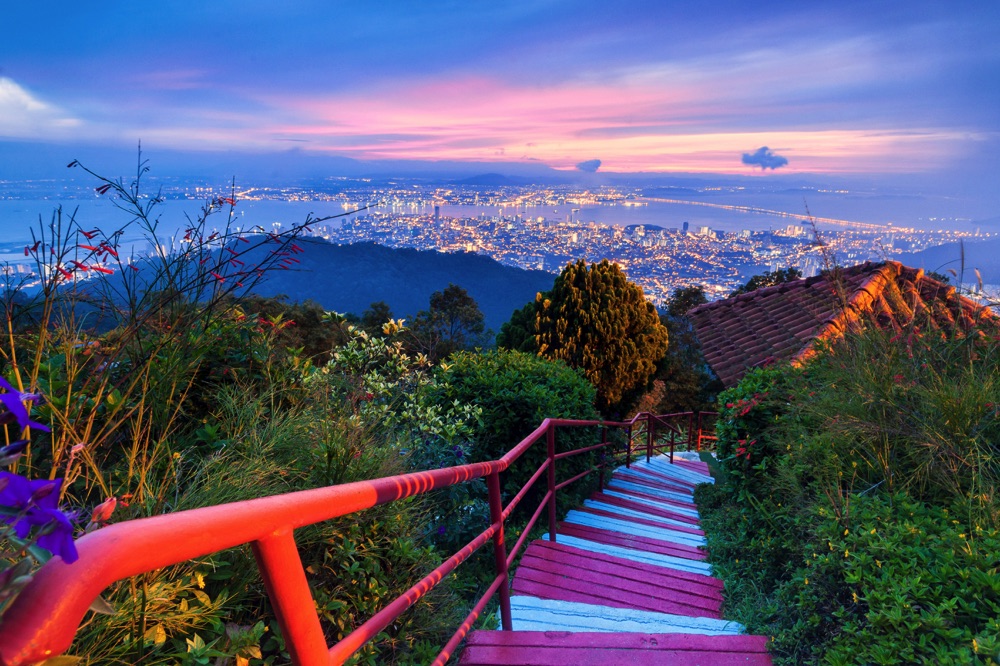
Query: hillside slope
(348, 278)
(984, 255)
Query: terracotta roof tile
(784, 321)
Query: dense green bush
(516, 392)
(857, 519)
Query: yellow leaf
(156, 634)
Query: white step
(661, 465)
(684, 511)
(622, 526)
(656, 559)
(631, 513)
(655, 492)
(533, 614)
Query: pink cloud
(629, 123)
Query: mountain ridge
(348, 278)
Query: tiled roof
(785, 321)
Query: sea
(723, 211)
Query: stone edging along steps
(626, 582)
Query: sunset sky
(845, 87)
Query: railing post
(690, 429)
(628, 447)
(499, 547)
(550, 440)
(649, 437)
(698, 447)
(673, 439)
(604, 455)
(285, 581)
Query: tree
(768, 279)
(375, 317)
(687, 382)
(684, 299)
(453, 321)
(518, 334)
(598, 321)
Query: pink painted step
(550, 648)
(693, 465)
(705, 586)
(656, 498)
(640, 521)
(645, 508)
(652, 483)
(645, 544)
(684, 486)
(554, 574)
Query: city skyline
(893, 90)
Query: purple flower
(14, 401)
(35, 504)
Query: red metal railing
(44, 618)
(665, 432)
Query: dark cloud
(765, 159)
(590, 166)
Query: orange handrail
(43, 619)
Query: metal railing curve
(43, 619)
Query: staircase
(625, 582)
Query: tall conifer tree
(598, 321)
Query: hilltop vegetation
(857, 519)
(596, 320)
(348, 278)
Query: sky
(852, 89)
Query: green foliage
(598, 321)
(516, 392)
(858, 521)
(375, 317)
(685, 298)
(683, 380)
(519, 333)
(303, 328)
(453, 322)
(768, 279)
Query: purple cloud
(765, 159)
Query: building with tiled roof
(786, 321)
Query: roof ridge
(860, 299)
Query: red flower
(103, 189)
(102, 512)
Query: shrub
(858, 518)
(516, 392)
